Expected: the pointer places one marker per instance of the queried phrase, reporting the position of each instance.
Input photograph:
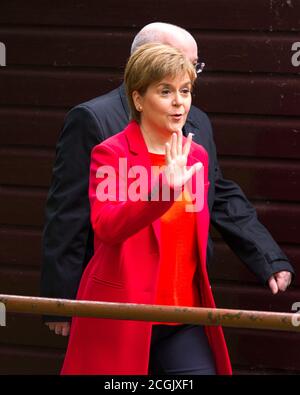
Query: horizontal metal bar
(156, 313)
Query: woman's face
(165, 105)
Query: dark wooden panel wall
(62, 53)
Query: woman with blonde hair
(150, 232)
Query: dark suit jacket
(67, 244)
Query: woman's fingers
(187, 146)
(192, 170)
(168, 154)
(174, 146)
(176, 155)
(179, 142)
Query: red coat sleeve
(112, 219)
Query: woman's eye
(185, 91)
(165, 91)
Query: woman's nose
(177, 101)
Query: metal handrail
(156, 313)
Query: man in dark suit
(68, 236)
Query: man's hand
(280, 281)
(60, 328)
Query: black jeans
(180, 349)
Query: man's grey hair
(154, 32)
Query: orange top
(178, 252)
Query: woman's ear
(137, 100)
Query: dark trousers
(180, 349)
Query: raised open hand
(176, 170)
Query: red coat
(125, 267)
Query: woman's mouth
(177, 117)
